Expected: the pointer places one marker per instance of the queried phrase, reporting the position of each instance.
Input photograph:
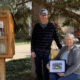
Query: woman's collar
(71, 46)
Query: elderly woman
(70, 53)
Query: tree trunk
(36, 6)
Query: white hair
(71, 35)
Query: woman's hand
(60, 74)
(48, 67)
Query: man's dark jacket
(43, 37)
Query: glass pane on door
(2, 47)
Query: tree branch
(24, 2)
(65, 11)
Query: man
(43, 34)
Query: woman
(70, 53)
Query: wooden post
(2, 69)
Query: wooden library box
(6, 35)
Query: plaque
(57, 66)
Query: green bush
(19, 69)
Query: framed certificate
(57, 66)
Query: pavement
(24, 51)
(21, 51)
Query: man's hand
(48, 67)
(60, 74)
(33, 55)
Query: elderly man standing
(43, 34)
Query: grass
(21, 42)
(19, 69)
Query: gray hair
(71, 35)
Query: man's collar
(44, 24)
